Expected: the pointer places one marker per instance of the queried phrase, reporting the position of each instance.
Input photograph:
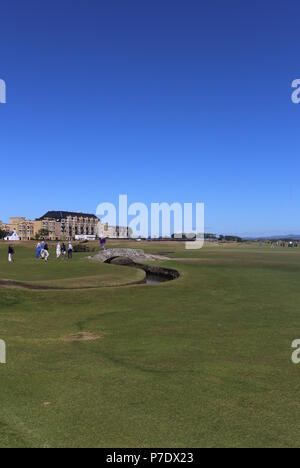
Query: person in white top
(58, 251)
(70, 251)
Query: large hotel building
(67, 225)
(63, 225)
(55, 225)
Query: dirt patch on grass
(21, 285)
(81, 336)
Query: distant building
(85, 238)
(12, 237)
(47, 228)
(23, 228)
(67, 224)
(113, 232)
(64, 225)
(54, 225)
(4, 227)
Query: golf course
(95, 358)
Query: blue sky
(165, 100)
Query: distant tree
(230, 238)
(184, 236)
(233, 239)
(42, 234)
(208, 235)
(3, 234)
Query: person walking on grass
(38, 251)
(11, 254)
(102, 243)
(70, 251)
(46, 252)
(63, 251)
(58, 251)
(43, 250)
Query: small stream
(154, 275)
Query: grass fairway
(202, 361)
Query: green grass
(77, 273)
(202, 361)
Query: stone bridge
(135, 255)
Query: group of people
(285, 244)
(42, 251)
(61, 251)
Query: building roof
(59, 215)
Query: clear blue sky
(164, 100)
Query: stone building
(23, 227)
(49, 227)
(66, 224)
(4, 226)
(113, 232)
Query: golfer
(70, 251)
(46, 252)
(102, 243)
(58, 251)
(63, 251)
(43, 250)
(38, 251)
(10, 254)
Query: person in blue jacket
(38, 251)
